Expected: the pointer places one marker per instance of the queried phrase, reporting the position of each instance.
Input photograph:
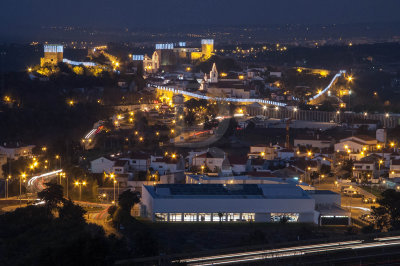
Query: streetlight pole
(20, 187)
(7, 186)
(80, 184)
(115, 181)
(67, 188)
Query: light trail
(338, 75)
(274, 251)
(33, 179)
(387, 238)
(218, 99)
(243, 257)
(238, 100)
(91, 132)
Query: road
(355, 205)
(265, 255)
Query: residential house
(262, 151)
(101, 165)
(167, 165)
(357, 144)
(139, 162)
(16, 150)
(394, 171)
(121, 166)
(238, 164)
(210, 160)
(364, 169)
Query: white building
(238, 164)
(365, 169)
(394, 169)
(14, 151)
(228, 203)
(241, 203)
(101, 165)
(356, 144)
(210, 160)
(120, 166)
(167, 165)
(139, 162)
(262, 151)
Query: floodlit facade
(53, 54)
(228, 203)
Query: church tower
(214, 74)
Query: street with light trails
(247, 257)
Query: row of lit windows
(222, 217)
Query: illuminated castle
(53, 54)
(170, 54)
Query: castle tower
(207, 48)
(53, 54)
(214, 74)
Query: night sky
(25, 14)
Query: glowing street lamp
(115, 182)
(22, 177)
(80, 184)
(6, 190)
(380, 162)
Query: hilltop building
(170, 54)
(53, 54)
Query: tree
(128, 199)
(52, 195)
(111, 210)
(387, 215)
(381, 218)
(71, 212)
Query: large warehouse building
(229, 203)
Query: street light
(80, 184)
(202, 169)
(63, 175)
(22, 176)
(7, 179)
(115, 181)
(380, 162)
(58, 157)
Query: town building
(394, 171)
(167, 165)
(15, 150)
(364, 170)
(262, 151)
(235, 203)
(314, 141)
(357, 144)
(102, 165)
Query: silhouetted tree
(52, 195)
(387, 215)
(128, 199)
(71, 212)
